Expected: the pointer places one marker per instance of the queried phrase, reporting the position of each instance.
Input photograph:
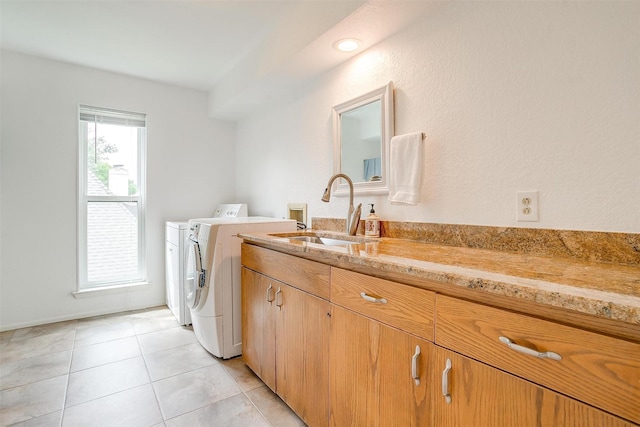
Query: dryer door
(195, 277)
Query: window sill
(108, 290)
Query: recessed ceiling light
(347, 45)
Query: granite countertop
(603, 289)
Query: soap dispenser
(372, 224)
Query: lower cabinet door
(474, 394)
(378, 374)
(258, 325)
(302, 360)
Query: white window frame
(83, 285)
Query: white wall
(512, 96)
(189, 165)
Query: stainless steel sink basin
(323, 238)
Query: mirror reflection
(362, 129)
(361, 133)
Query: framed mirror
(362, 129)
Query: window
(111, 228)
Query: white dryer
(212, 287)
(176, 270)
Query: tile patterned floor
(130, 369)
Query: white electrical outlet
(527, 203)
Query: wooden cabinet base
(346, 349)
(286, 343)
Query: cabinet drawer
(405, 307)
(300, 273)
(596, 369)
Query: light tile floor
(130, 369)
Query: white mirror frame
(385, 95)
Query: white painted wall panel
(512, 96)
(189, 171)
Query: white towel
(406, 168)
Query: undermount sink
(323, 238)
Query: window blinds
(112, 117)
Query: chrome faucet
(353, 218)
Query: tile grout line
(244, 392)
(155, 393)
(66, 388)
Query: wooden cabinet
(593, 368)
(286, 331)
(373, 374)
(308, 276)
(302, 354)
(404, 307)
(347, 349)
(379, 375)
(258, 325)
(480, 395)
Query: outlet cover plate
(527, 205)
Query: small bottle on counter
(372, 224)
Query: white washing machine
(175, 259)
(212, 287)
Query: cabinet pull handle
(269, 294)
(373, 299)
(414, 366)
(529, 351)
(279, 298)
(445, 381)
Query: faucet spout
(353, 218)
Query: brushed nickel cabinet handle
(270, 294)
(373, 299)
(529, 351)
(445, 381)
(279, 298)
(414, 366)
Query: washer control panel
(231, 210)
